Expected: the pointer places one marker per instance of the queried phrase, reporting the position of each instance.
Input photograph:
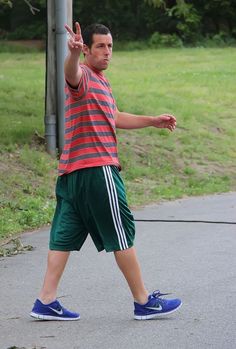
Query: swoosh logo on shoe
(155, 308)
(59, 312)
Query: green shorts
(92, 201)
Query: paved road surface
(197, 262)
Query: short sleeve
(82, 89)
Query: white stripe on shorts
(114, 205)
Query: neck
(93, 68)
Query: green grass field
(196, 85)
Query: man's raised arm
(72, 68)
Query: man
(90, 192)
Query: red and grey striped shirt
(90, 134)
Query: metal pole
(69, 12)
(50, 89)
(61, 49)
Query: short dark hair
(91, 29)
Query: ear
(85, 49)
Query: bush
(28, 32)
(130, 45)
(165, 40)
(218, 40)
(223, 39)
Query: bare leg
(129, 265)
(55, 267)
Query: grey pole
(61, 50)
(50, 90)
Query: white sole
(49, 317)
(153, 316)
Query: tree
(128, 19)
(186, 15)
(10, 4)
(23, 19)
(200, 17)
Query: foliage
(130, 45)
(157, 3)
(127, 19)
(165, 40)
(135, 20)
(33, 9)
(6, 3)
(23, 20)
(188, 21)
(34, 30)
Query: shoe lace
(158, 294)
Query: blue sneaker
(155, 306)
(52, 311)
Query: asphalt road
(194, 261)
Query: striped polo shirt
(90, 134)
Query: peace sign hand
(75, 40)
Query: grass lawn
(196, 85)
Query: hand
(75, 40)
(165, 121)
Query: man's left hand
(165, 121)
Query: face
(100, 53)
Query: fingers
(75, 40)
(70, 31)
(78, 30)
(75, 44)
(171, 121)
(166, 121)
(171, 127)
(171, 117)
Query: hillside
(196, 85)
